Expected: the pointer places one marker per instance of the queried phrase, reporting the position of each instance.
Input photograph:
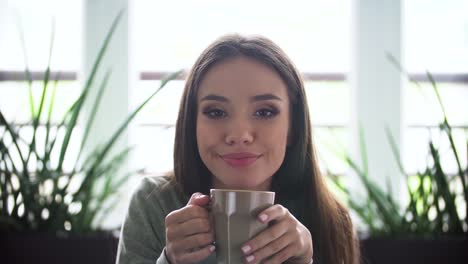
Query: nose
(239, 132)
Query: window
(166, 37)
(36, 20)
(436, 39)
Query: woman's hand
(285, 239)
(189, 232)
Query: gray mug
(235, 219)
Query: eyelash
(262, 113)
(214, 113)
(271, 112)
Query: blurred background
(342, 48)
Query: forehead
(242, 76)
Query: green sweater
(143, 234)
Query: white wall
(376, 86)
(98, 17)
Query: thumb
(199, 199)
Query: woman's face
(242, 123)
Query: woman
(243, 124)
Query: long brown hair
(298, 183)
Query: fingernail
(212, 248)
(263, 217)
(250, 258)
(246, 249)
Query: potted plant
(429, 227)
(50, 214)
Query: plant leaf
(363, 149)
(93, 112)
(27, 71)
(442, 187)
(395, 150)
(123, 126)
(89, 82)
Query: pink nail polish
(263, 217)
(246, 249)
(250, 258)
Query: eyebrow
(260, 97)
(213, 97)
(264, 97)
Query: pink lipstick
(241, 159)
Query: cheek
(276, 139)
(278, 135)
(206, 136)
(279, 143)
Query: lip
(240, 159)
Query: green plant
(36, 192)
(433, 200)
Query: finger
(186, 213)
(266, 237)
(190, 227)
(274, 212)
(199, 199)
(280, 257)
(193, 243)
(274, 247)
(195, 256)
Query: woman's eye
(214, 113)
(266, 113)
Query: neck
(264, 186)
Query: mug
(235, 219)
